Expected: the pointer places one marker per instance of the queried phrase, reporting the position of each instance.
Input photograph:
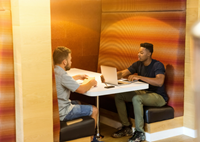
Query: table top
(99, 90)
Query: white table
(99, 90)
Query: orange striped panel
(5, 5)
(56, 118)
(7, 90)
(142, 5)
(122, 33)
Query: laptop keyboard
(123, 82)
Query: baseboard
(171, 133)
(163, 134)
(189, 132)
(157, 135)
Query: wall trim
(190, 132)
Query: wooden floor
(107, 131)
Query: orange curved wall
(127, 24)
(76, 25)
(142, 5)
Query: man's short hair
(59, 54)
(148, 46)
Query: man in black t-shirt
(152, 72)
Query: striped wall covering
(122, 32)
(7, 90)
(5, 5)
(56, 118)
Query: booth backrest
(122, 31)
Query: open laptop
(110, 76)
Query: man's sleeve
(133, 68)
(159, 68)
(69, 83)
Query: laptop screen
(110, 74)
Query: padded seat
(81, 129)
(155, 114)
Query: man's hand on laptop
(119, 75)
(133, 77)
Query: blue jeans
(78, 111)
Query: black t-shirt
(154, 68)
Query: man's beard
(67, 67)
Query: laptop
(110, 76)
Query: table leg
(98, 135)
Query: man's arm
(120, 74)
(157, 81)
(80, 76)
(123, 73)
(83, 88)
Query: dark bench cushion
(155, 114)
(78, 130)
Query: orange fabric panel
(142, 5)
(7, 90)
(122, 33)
(77, 25)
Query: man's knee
(136, 99)
(118, 97)
(94, 110)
